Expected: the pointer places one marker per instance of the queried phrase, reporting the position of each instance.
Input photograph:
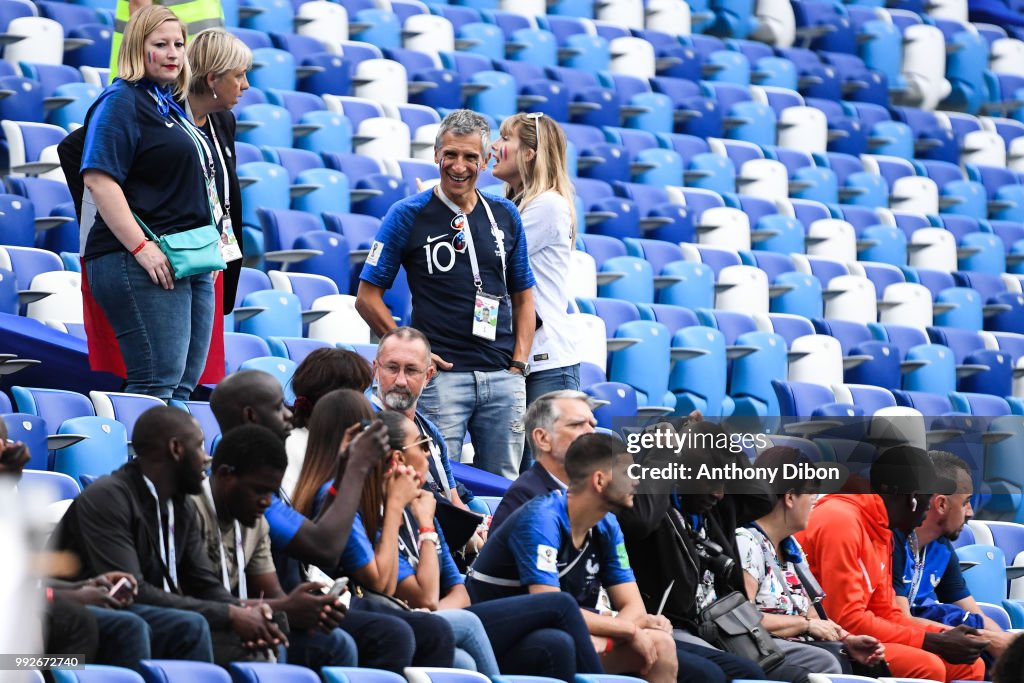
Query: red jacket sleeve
(839, 565)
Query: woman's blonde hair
(215, 51)
(131, 60)
(548, 170)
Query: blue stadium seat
(751, 375)
(19, 221)
(1010, 318)
(799, 399)
(269, 672)
(50, 486)
(295, 348)
(81, 96)
(797, 294)
(987, 580)
(330, 75)
(672, 317)
(384, 191)
(266, 124)
(240, 347)
(125, 408)
(964, 308)
(266, 15)
(53, 405)
(979, 404)
(323, 131)
(169, 671)
(282, 370)
(996, 379)
(265, 185)
(621, 402)
(281, 229)
(104, 449)
(870, 399)
(333, 261)
(282, 317)
(936, 372)
(330, 194)
(645, 365)
(338, 674)
(31, 430)
(698, 377)
(97, 673)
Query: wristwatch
(521, 366)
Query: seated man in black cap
(848, 545)
(925, 569)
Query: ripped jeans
(490, 406)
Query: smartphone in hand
(339, 587)
(122, 590)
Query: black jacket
(70, 153)
(661, 550)
(112, 526)
(532, 483)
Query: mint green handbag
(195, 251)
(192, 252)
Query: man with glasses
(462, 254)
(401, 371)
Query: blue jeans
(427, 638)
(472, 648)
(555, 379)
(490, 405)
(543, 382)
(707, 665)
(175, 633)
(164, 334)
(124, 638)
(314, 649)
(539, 635)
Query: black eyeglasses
(459, 224)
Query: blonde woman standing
(531, 159)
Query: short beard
(188, 482)
(397, 399)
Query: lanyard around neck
(243, 592)
(167, 551)
(435, 455)
(223, 167)
(470, 246)
(918, 555)
(412, 554)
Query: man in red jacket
(849, 546)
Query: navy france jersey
(941, 579)
(534, 546)
(154, 161)
(417, 234)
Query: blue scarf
(163, 95)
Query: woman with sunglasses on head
(531, 159)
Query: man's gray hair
(544, 411)
(465, 122)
